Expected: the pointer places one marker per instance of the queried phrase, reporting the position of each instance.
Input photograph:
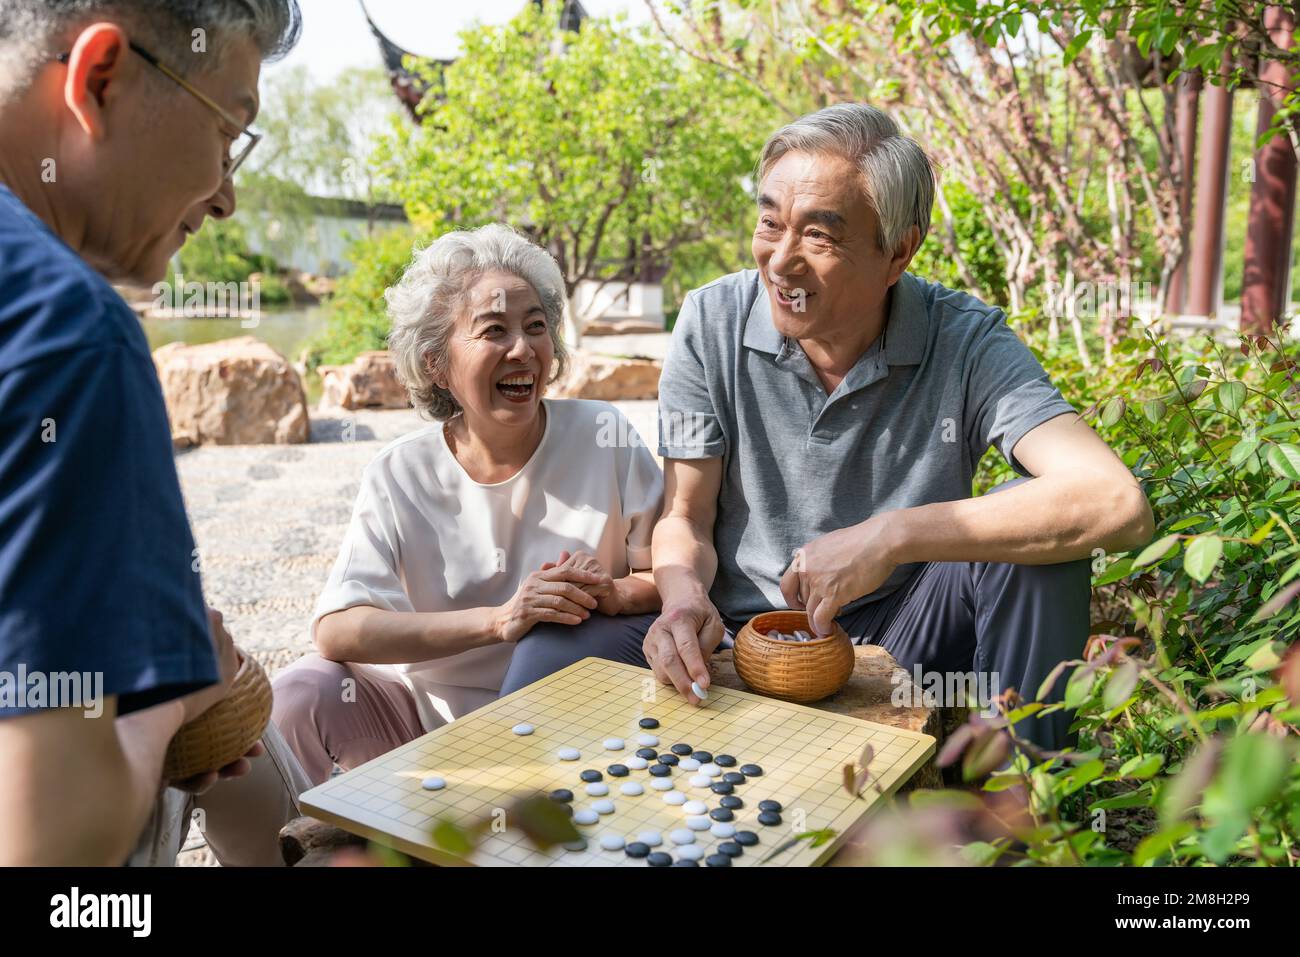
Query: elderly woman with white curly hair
(513, 517)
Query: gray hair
(30, 30)
(897, 175)
(424, 304)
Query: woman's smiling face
(500, 352)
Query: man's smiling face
(815, 245)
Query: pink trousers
(341, 713)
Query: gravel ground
(268, 521)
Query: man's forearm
(144, 737)
(1046, 520)
(685, 561)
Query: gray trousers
(990, 626)
(240, 817)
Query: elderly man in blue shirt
(822, 417)
(121, 125)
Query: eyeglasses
(241, 143)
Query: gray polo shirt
(907, 425)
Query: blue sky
(335, 35)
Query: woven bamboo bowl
(225, 731)
(799, 671)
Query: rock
(232, 392)
(367, 382)
(304, 837)
(622, 327)
(611, 379)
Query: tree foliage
(607, 148)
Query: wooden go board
(802, 752)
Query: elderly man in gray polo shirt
(821, 419)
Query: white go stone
(661, 784)
(689, 764)
(637, 764)
(569, 754)
(650, 838)
(675, 798)
(698, 691)
(712, 770)
(722, 829)
(433, 783)
(695, 807)
(698, 823)
(690, 852)
(522, 727)
(585, 816)
(597, 788)
(631, 788)
(603, 807)
(647, 740)
(700, 780)
(682, 835)
(612, 842)
(614, 744)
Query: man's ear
(902, 258)
(96, 61)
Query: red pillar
(1205, 267)
(1188, 106)
(1272, 195)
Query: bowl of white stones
(777, 654)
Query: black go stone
(591, 776)
(751, 770)
(618, 770)
(721, 787)
(668, 758)
(660, 770)
(659, 859)
(746, 838)
(734, 777)
(704, 757)
(685, 863)
(730, 848)
(681, 749)
(724, 760)
(562, 795)
(769, 819)
(721, 814)
(718, 860)
(731, 802)
(649, 723)
(770, 806)
(648, 753)
(637, 849)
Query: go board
(800, 751)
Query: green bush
(1187, 700)
(358, 320)
(219, 253)
(974, 240)
(1197, 722)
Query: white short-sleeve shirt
(425, 537)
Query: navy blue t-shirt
(98, 571)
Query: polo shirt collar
(908, 328)
(906, 333)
